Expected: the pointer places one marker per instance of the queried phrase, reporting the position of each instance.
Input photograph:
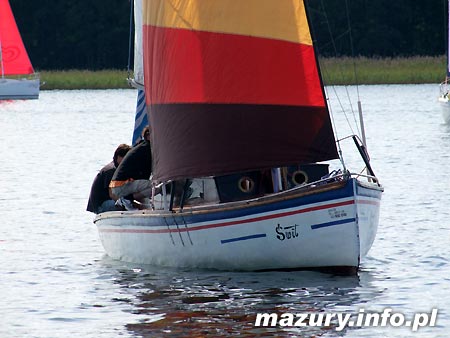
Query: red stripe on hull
(184, 66)
(377, 203)
(225, 224)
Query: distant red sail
(13, 56)
(228, 94)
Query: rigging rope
(129, 40)
(333, 43)
(346, 87)
(351, 47)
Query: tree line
(94, 34)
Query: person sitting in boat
(131, 178)
(100, 199)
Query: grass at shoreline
(337, 71)
(414, 70)
(83, 79)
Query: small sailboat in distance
(241, 136)
(18, 79)
(444, 86)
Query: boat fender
(300, 177)
(246, 184)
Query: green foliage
(83, 79)
(383, 70)
(337, 71)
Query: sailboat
(444, 86)
(242, 137)
(18, 79)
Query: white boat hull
(15, 89)
(329, 226)
(445, 108)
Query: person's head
(146, 133)
(120, 153)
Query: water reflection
(199, 303)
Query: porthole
(299, 177)
(246, 184)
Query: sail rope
(325, 89)
(335, 51)
(446, 41)
(330, 108)
(130, 44)
(344, 110)
(351, 48)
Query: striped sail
(138, 53)
(141, 119)
(233, 86)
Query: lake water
(56, 281)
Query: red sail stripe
(195, 67)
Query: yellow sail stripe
(273, 19)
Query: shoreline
(335, 71)
(413, 70)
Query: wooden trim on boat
(229, 206)
(263, 200)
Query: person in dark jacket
(100, 199)
(132, 176)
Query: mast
(448, 42)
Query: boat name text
(287, 232)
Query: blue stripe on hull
(329, 224)
(313, 227)
(244, 238)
